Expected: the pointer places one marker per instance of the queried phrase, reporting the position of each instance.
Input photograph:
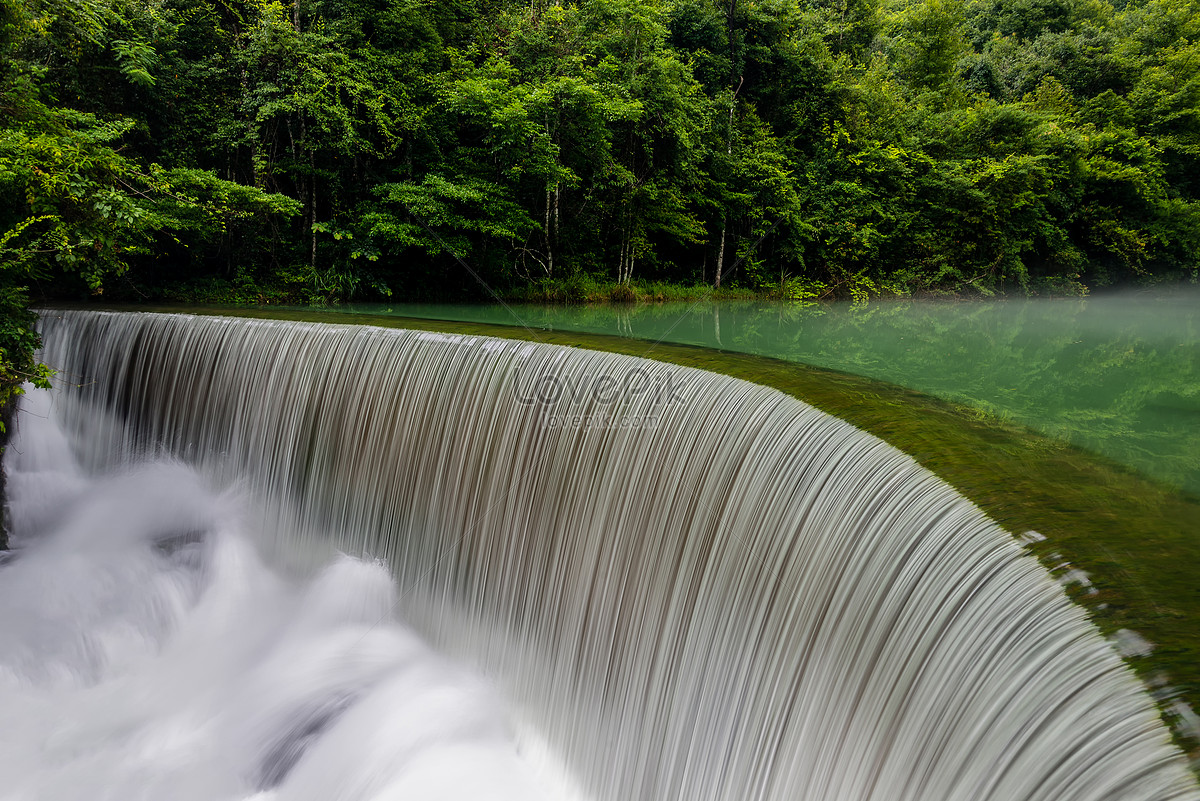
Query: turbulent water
(686, 586)
(147, 652)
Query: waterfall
(691, 586)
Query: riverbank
(588, 289)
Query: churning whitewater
(690, 588)
(147, 652)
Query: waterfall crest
(694, 587)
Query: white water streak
(747, 600)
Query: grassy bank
(588, 289)
(580, 288)
(1138, 540)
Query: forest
(248, 151)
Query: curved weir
(692, 587)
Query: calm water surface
(1117, 373)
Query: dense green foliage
(255, 151)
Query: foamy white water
(690, 587)
(148, 652)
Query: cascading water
(147, 652)
(690, 586)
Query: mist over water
(738, 598)
(147, 651)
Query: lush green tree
(74, 204)
(318, 151)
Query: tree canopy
(257, 151)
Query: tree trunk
(554, 233)
(621, 258)
(728, 152)
(547, 234)
(312, 212)
(720, 256)
(301, 185)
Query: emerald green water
(1116, 373)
